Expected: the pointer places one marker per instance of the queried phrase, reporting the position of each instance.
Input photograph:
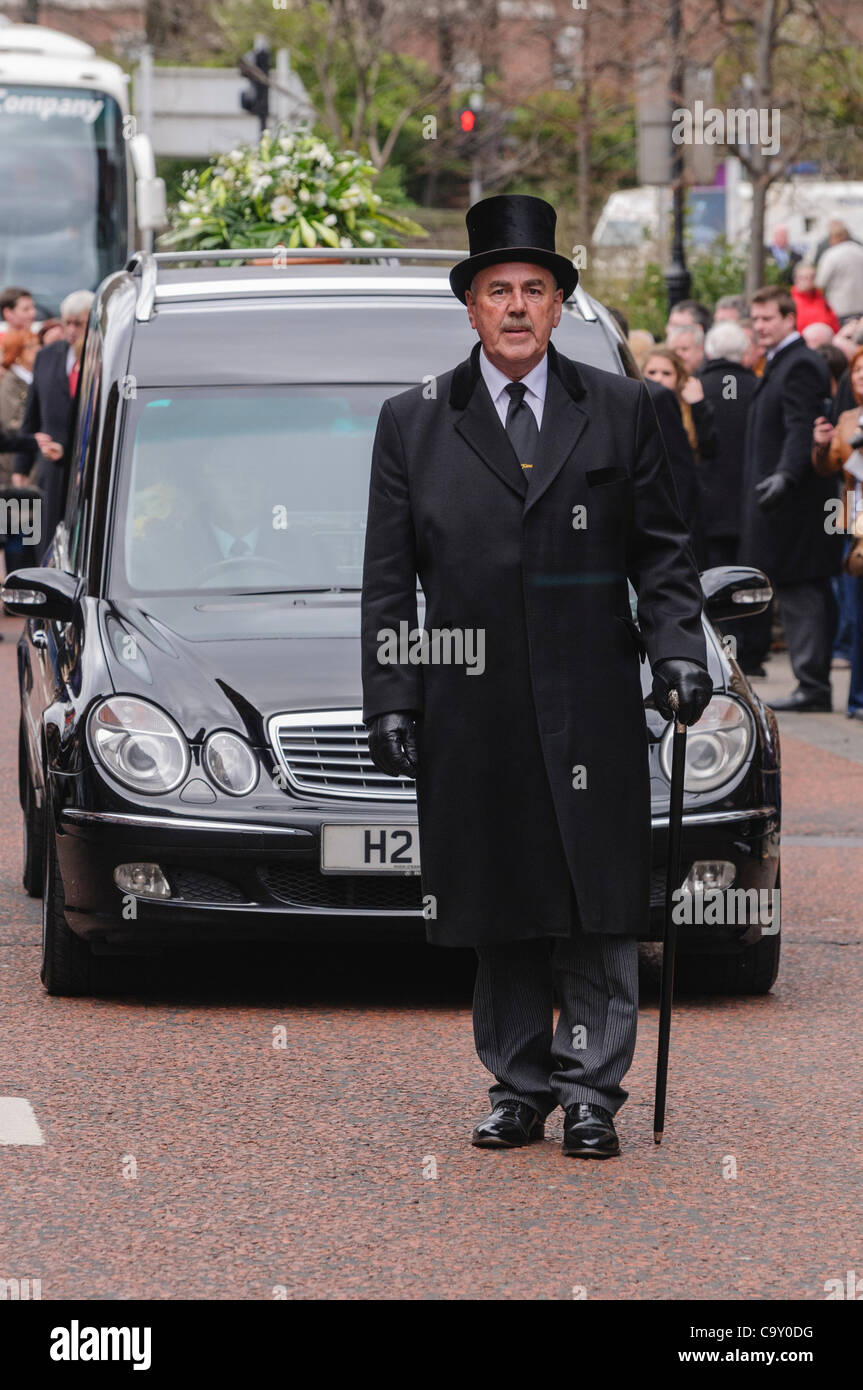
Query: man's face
(231, 505)
(770, 325)
(780, 238)
(514, 307)
(21, 315)
(727, 314)
(74, 327)
(689, 350)
(679, 318)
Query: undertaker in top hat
(524, 495)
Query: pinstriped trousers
(590, 1051)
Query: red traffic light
(467, 120)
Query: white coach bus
(78, 191)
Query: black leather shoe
(800, 702)
(511, 1124)
(588, 1132)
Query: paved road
(183, 1155)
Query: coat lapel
(771, 365)
(763, 377)
(480, 424)
(562, 424)
(60, 380)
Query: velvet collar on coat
(467, 374)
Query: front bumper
(243, 881)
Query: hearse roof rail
(144, 265)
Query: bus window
(63, 214)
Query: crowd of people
(760, 401)
(38, 376)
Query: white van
(635, 222)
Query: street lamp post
(677, 278)
(476, 103)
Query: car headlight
(138, 744)
(716, 747)
(231, 763)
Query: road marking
(18, 1124)
(824, 841)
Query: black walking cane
(669, 940)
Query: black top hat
(512, 227)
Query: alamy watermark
(734, 126)
(21, 516)
(438, 646)
(728, 907)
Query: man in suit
(783, 528)
(784, 256)
(49, 409)
(729, 387)
(524, 491)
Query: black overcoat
(49, 409)
(532, 787)
(789, 543)
(729, 387)
(683, 463)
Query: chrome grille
(325, 753)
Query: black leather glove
(771, 491)
(392, 743)
(692, 683)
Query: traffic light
(256, 98)
(467, 120)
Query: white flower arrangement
(282, 207)
(291, 189)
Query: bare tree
(350, 44)
(776, 44)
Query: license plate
(370, 849)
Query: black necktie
(521, 425)
(239, 547)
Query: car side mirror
(735, 591)
(42, 593)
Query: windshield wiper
(299, 589)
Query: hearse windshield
(244, 489)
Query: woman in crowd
(664, 365)
(19, 348)
(835, 450)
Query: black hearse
(193, 763)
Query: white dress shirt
(497, 382)
(225, 540)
